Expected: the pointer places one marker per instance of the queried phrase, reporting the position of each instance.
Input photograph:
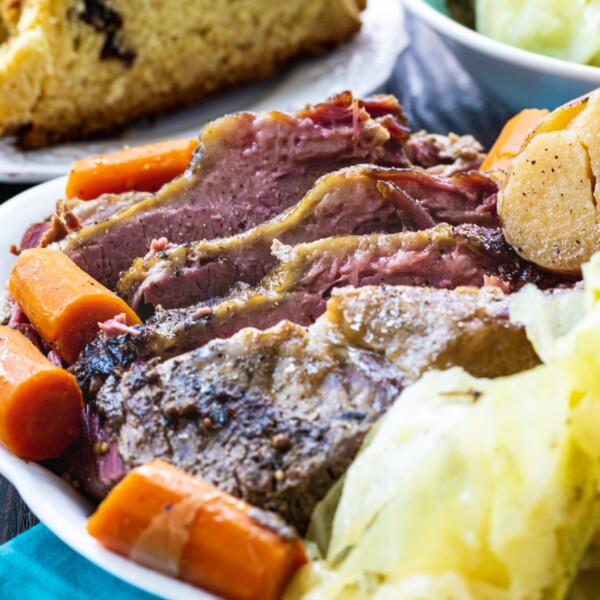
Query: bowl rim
(485, 45)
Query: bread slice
(72, 68)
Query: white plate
(63, 510)
(362, 65)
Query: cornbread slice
(71, 68)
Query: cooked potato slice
(587, 127)
(547, 206)
(548, 202)
(560, 118)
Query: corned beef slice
(231, 412)
(247, 169)
(357, 200)
(298, 286)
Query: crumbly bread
(71, 68)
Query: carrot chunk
(511, 138)
(40, 403)
(168, 520)
(63, 303)
(142, 168)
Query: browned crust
(114, 119)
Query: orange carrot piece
(143, 168)
(168, 520)
(40, 403)
(511, 138)
(63, 303)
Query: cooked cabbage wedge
(566, 29)
(476, 489)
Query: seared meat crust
(277, 416)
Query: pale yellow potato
(547, 206)
(587, 127)
(548, 201)
(561, 118)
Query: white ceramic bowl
(519, 78)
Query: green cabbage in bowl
(564, 29)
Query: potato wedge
(560, 118)
(548, 202)
(587, 127)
